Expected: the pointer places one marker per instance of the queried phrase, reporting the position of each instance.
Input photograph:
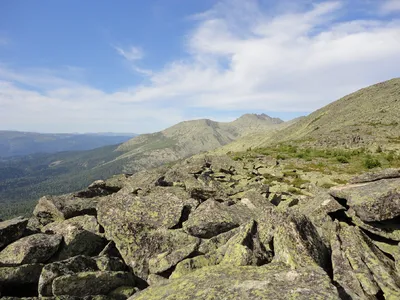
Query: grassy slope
(367, 118)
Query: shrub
(342, 159)
(390, 157)
(371, 163)
(300, 155)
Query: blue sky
(141, 66)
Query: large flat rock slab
(273, 281)
(373, 201)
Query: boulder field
(207, 228)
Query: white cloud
(295, 61)
(240, 57)
(390, 6)
(79, 109)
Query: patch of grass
(371, 163)
(298, 182)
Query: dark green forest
(23, 180)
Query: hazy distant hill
(13, 143)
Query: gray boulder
(75, 265)
(143, 227)
(20, 281)
(81, 236)
(91, 283)
(57, 269)
(37, 248)
(58, 208)
(11, 230)
(212, 218)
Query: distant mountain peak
(262, 116)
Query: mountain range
(367, 119)
(16, 143)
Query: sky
(142, 66)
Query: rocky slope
(209, 228)
(366, 118)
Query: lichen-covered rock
(212, 244)
(91, 283)
(20, 280)
(190, 265)
(57, 269)
(320, 209)
(75, 265)
(389, 229)
(81, 236)
(107, 263)
(123, 292)
(97, 189)
(273, 281)
(298, 244)
(154, 279)
(11, 230)
(163, 208)
(110, 250)
(360, 267)
(243, 248)
(374, 201)
(164, 261)
(57, 208)
(212, 218)
(141, 226)
(374, 176)
(37, 248)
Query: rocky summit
(208, 227)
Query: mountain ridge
(365, 118)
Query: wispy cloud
(132, 53)
(390, 6)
